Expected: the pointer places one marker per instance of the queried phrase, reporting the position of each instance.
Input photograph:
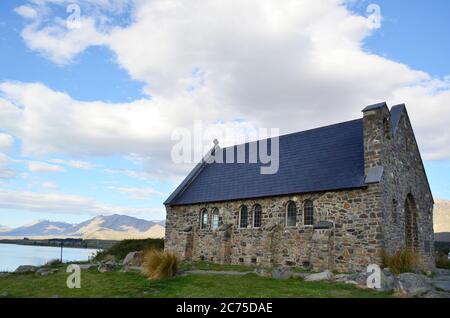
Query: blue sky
(87, 114)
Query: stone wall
(364, 221)
(351, 244)
(403, 176)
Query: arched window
(394, 211)
(308, 212)
(257, 216)
(204, 219)
(215, 219)
(291, 214)
(243, 217)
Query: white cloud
(26, 12)
(83, 165)
(49, 185)
(293, 64)
(35, 166)
(138, 193)
(63, 203)
(5, 171)
(6, 141)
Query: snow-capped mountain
(4, 228)
(111, 227)
(39, 228)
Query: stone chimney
(377, 133)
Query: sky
(89, 102)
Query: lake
(12, 256)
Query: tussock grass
(402, 261)
(442, 261)
(158, 264)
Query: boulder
(107, 267)
(263, 272)
(88, 266)
(26, 269)
(281, 272)
(4, 295)
(53, 262)
(412, 285)
(326, 275)
(45, 271)
(133, 259)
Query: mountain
(441, 217)
(39, 228)
(116, 226)
(110, 227)
(442, 237)
(4, 228)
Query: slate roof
(396, 113)
(322, 159)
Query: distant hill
(4, 228)
(442, 237)
(110, 227)
(441, 216)
(39, 228)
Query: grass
(118, 284)
(402, 261)
(442, 261)
(119, 250)
(207, 266)
(158, 264)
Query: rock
(388, 281)
(88, 266)
(53, 262)
(326, 275)
(435, 294)
(263, 272)
(359, 279)
(341, 278)
(4, 295)
(133, 259)
(282, 272)
(412, 285)
(107, 267)
(45, 271)
(26, 269)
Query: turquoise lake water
(12, 256)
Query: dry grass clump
(158, 264)
(402, 261)
(442, 261)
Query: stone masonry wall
(403, 175)
(353, 243)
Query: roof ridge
(297, 132)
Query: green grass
(118, 284)
(203, 265)
(122, 248)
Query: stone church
(342, 194)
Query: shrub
(119, 250)
(158, 264)
(442, 261)
(402, 261)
